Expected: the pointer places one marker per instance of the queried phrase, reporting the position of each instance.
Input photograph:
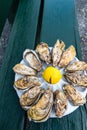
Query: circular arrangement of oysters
(38, 101)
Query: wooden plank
(59, 21)
(22, 36)
(4, 11)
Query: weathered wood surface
(22, 36)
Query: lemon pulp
(52, 75)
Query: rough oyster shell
(57, 52)
(41, 111)
(60, 101)
(44, 52)
(77, 78)
(27, 82)
(31, 96)
(23, 70)
(32, 59)
(73, 95)
(67, 56)
(76, 66)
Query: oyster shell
(44, 52)
(67, 56)
(60, 101)
(77, 78)
(32, 59)
(41, 111)
(23, 70)
(31, 96)
(27, 82)
(57, 52)
(76, 66)
(73, 95)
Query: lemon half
(52, 75)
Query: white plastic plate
(59, 85)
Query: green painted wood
(22, 36)
(4, 11)
(59, 21)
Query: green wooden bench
(35, 21)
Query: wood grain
(22, 36)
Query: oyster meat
(44, 52)
(76, 66)
(27, 82)
(57, 52)
(73, 95)
(41, 111)
(23, 70)
(60, 102)
(78, 78)
(31, 96)
(67, 56)
(32, 59)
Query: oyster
(67, 56)
(41, 111)
(27, 82)
(44, 52)
(76, 66)
(73, 95)
(78, 78)
(31, 96)
(57, 52)
(60, 101)
(32, 59)
(23, 70)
